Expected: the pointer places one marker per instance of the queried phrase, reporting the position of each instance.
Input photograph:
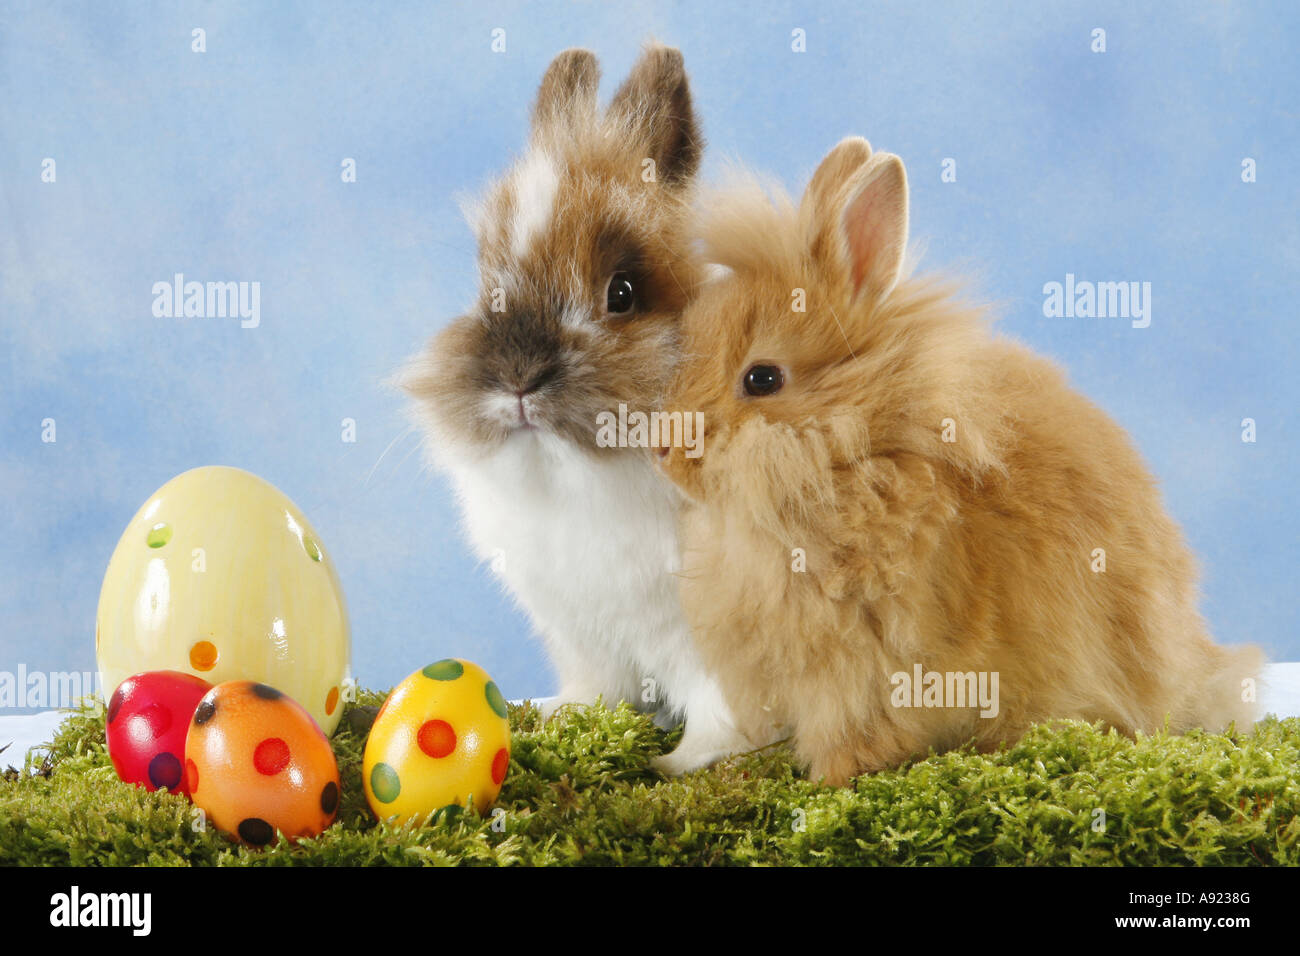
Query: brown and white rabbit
(585, 266)
(886, 484)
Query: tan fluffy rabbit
(903, 531)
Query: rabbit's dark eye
(620, 296)
(763, 380)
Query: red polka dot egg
(147, 719)
(440, 740)
(256, 762)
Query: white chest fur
(588, 546)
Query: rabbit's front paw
(834, 769)
(680, 761)
(695, 755)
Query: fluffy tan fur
(972, 555)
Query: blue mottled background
(226, 165)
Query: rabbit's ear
(859, 214)
(654, 107)
(568, 92)
(827, 186)
(875, 224)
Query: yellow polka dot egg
(221, 576)
(440, 740)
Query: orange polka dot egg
(441, 740)
(256, 763)
(219, 575)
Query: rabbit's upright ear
(567, 96)
(653, 108)
(828, 184)
(857, 203)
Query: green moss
(580, 791)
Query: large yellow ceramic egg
(221, 576)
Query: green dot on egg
(311, 547)
(448, 669)
(496, 700)
(159, 535)
(384, 783)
